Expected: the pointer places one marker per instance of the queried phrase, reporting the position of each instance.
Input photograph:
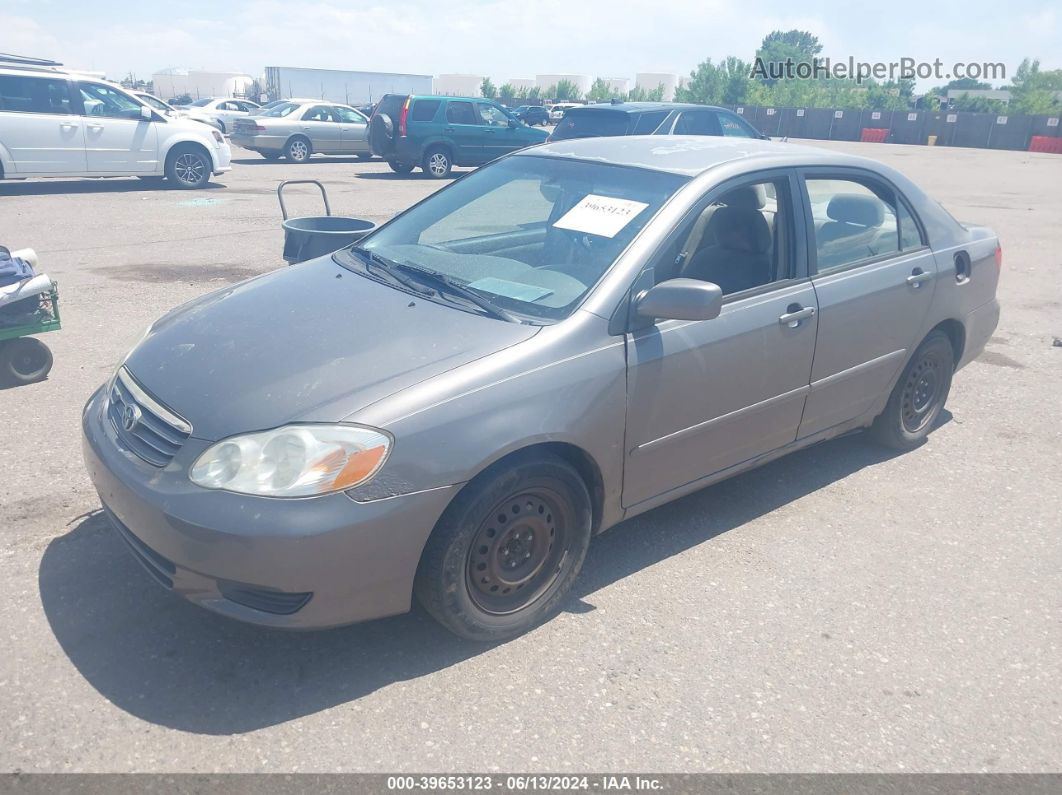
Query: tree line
(734, 81)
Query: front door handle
(66, 125)
(795, 313)
(918, 276)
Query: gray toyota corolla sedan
(563, 339)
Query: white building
(458, 85)
(176, 82)
(546, 82)
(619, 86)
(521, 82)
(650, 81)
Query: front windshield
(530, 234)
(279, 111)
(200, 103)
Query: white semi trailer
(337, 85)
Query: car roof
(641, 107)
(690, 155)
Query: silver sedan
(298, 129)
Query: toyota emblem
(130, 416)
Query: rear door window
(591, 123)
(34, 95)
(424, 109)
(460, 113)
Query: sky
(514, 38)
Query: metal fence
(942, 128)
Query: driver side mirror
(145, 113)
(680, 299)
(513, 124)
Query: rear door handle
(66, 125)
(796, 313)
(918, 276)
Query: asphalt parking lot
(842, 609)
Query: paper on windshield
(600, 215)
(516, 290)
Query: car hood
(313, 343)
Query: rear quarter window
(424, 109)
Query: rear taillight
(259, 128)
(999, 257)
(403, 117)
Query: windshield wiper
(427, 282)
(444, 284)
(389, 269)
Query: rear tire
(24, 360)
(270, 155)
(400, 168)
(363, 156)
(188, 166)
(505, 553)
(437, 162)
(298, 149)
(919, 396)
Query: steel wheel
(517, 552)
(298, 151)
(190, 168)
(504, 554)
(919, 395)
(920, 392)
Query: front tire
(919, 396)
(270, 155)
(363, 156)
(505, 553)
(188, 167)
(24, 360)
(298, 150)
(437, 163)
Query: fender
(7, 164)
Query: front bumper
(295, 563)
(222, 158)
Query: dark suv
(651, 118)
(532, 115)
(438, 133)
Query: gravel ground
(838, 610)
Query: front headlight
(218, 137)
(293, 461)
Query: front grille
(143, 424)
(276, 602)
(162, 569)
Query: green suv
(438, 133)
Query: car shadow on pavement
(56, 187)
(262, 161)
(174, 664)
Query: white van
(55, 123)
